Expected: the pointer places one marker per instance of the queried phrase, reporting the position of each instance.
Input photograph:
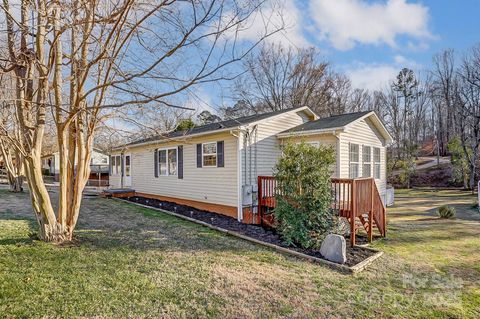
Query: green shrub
(303, 214)
(446, 211)
(475, 205)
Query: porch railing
(358, 200)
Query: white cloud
(282, 15)
(346, 23)
(372, 76)
(400, 59)
(376, 76)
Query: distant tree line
(436, 113)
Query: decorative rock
(334, 248)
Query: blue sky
(369, 40)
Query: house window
(118, 169)
(112, 165)
(167, 162)
(354, 160)
(162, 162)
(377, 163)
(127, 165)
(172, 161)
(209, 154)
(367, 161)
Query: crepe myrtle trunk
(53, 227)
(15, 183)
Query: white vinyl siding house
(99, 167)
(260, 147)
(219, 164)
(366, 135)
(208, 183)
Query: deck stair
(358, 200)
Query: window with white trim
(377, 163)
(367, 161)
(209, 154)
(167, 162)
(354, 158)
(117, 170)
(127, 165)
(172, 161)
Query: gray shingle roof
(327, 122)
(210, 128)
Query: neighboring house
(215, 166)
(99, 167)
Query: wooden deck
(358, 200)
(118, 193)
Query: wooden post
(353, 213)
(370, 226)
(370, 214)
(384, 221)
(259, 200)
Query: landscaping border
(352, 270)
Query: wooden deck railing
(358, 200)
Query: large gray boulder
(334, 248)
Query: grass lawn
(133, 262)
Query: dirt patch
(355, 255)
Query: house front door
(127, 173)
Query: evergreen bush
(303, 214)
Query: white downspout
(239, 175)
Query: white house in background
(99, 166)
(215, 166)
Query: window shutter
(180, 161)
(220, 154)
(110, 165)
(122, 164)
(199, 155)
(155, 161)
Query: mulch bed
(355, 255)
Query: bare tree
(280, 78)
(443, 92)
(78, 60)
(12, 158)
(468, 109)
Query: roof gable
(337, 122)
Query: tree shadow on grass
(106, 225)
(181, 238)
(8, 215)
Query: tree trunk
(473, 168)
(49, 229)
(16, 183)
(14, 168)
(53, 232)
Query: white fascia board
(310, 132)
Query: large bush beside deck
(303, 214)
